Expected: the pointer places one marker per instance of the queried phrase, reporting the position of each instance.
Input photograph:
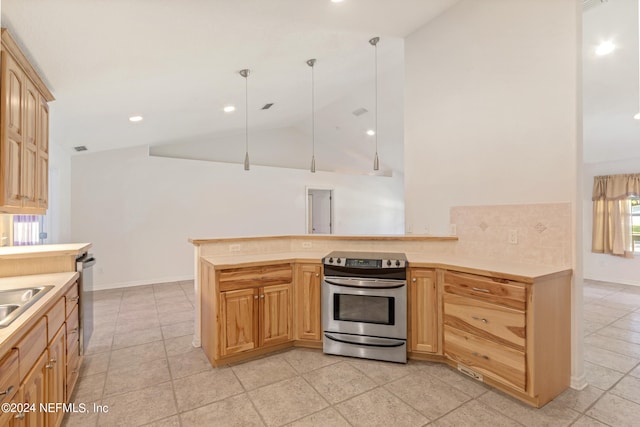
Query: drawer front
(493, 290)
(71, 299)
(242, 278)
(9, 376)
(55, 318)
(31, 346)
(72, 328)
(493, 322)
(501, 363)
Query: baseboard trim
(579, 383)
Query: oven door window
(364, 308)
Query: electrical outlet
(453, 230)
(306, 245)
(513, 236)
(409, 228)
(234, 248)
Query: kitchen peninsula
(505, 324)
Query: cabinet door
(35, 392)
(42, 136)
(276, 314)
(56, 375)
(238, 321)
(13, 91)
(14, 419)
(307, 291)
(423, 311)
(12, 160)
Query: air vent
(588, 4)
(80, 148)
(267, 106)
(359, 111)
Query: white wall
(490, 110)
(57, 221)
(603, 267)
(139, 211)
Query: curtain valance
(616, 187)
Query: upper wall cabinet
(24, 133)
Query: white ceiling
(176, 64)
(610, 83)
(105, 60)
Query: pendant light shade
(245, 73)
(374, 42)
(311, 63)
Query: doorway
(319, 211)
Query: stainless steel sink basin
(14, 302)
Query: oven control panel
(367, 262)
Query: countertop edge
(40, 251)
(11, 334)
(403, 237)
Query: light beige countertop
(495, 268)
(34, 251)
(61, 281)
(311, 237)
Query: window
(26, 230)
(635, 224)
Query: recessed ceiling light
(336, 1)
(371, 132)
(637, 116)
(135, 119)
(229, 109)
(605, 48)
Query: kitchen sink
(14, 302)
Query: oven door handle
(366, 341)
(365, 283)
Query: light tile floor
(141, 365)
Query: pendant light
(374, 42)
(311, 64)
(245, 73)
(637, 116)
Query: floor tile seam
(450, 386)
(373, 379)
(104, 385)
(620, 339)
(593, 405)
(470, 398)
(636, 357)
(191, 409)
(111, 396)
(136, 344)
(384, 386)
(173, 388)
(253, 405)
(486, 405)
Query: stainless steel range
(364, 300)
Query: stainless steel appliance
(364, 305)
(84, 266)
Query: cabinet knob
(484, 356)
(486, 291)
(262, 296)
(19, 416)
(480, 319)
(52, 362)
(413, 280)
(7, 391)
(255, 297)
(317, 275)
(76, 298)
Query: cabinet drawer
(9, 376)
(55, 319)
(497, 323)
(494, 290)
(242, 278)
(72, 328)
(501, 363)
(71, 299)
(31, 346)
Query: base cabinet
(307, 290)
(514, 336)
(423, 311)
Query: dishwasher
(84, 266)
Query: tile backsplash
(528, 233)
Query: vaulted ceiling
(176, 64)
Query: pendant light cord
(246, 115)
(313, 112)
(375, 46)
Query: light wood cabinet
(307, 291)
(24, 134)
(423, 311)
(253, 307)
(34, 393)
(56, 375)
(512, 335)
(36, 370)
